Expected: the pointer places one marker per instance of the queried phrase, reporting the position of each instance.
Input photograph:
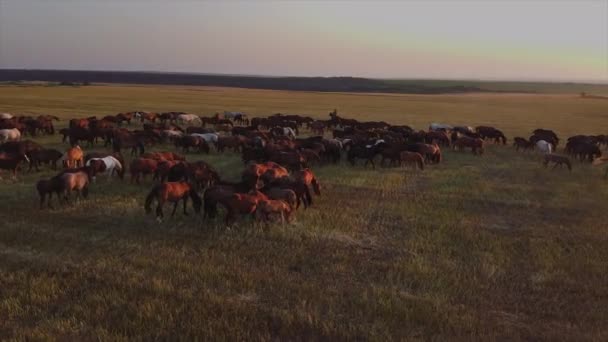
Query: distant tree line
(322, 84)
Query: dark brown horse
(48, 187)
(475, 144)
(172, 192)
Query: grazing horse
(141, 167)
(475, 144)
(107, 165)
(73, 157)
(163, 168)
(266, 208)
(544, 147)
(12, 134)
(48, 187)
(415, 158)
(48, 156)
(557, 160)
(241, 204)
(210, 138)
(172, 192)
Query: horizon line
(399, 78)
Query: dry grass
(491, 247)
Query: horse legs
(185, 205)
(174, 208)
(159, 209)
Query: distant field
(476, 248)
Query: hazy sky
(494, 39)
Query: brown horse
(48, 187)
(557, 160)
(307, 177)
(431, 152)
(141, 167)
(75, 181)
(241, 204)
(415, 158)
(266, 208)
(475, 144)
(10, 161)
(172, 192)
(73, 157)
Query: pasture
(477, 247)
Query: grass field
(491, 247)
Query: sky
(559, 40)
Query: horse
(142, 166)
(48, 187)
(11, 161)
(75, 181)
(172, 192)
(188, 119)
(163, 168)
(476, 144)
(266, 208)
(286, 195)
(367, 152)
(188, 141)
(557, 160)
(307, 177)
(522, 143)
(107, 165)
(208, 137)
(10, 135)
(241, 204)
(430, 152)
(73, 157)
(48, 156)
(415, 158)
(544, 147)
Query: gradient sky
(511, 40)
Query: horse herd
(277, 177)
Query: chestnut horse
(172, 192)
(73, 157)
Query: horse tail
(315, 186)
(154, 193)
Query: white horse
(188, 119)
(112, 164)
(172, 134)
(544, 147)
(289, 132)
(208, 137)
(11, 134)
(437, 126)
(6, 116)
